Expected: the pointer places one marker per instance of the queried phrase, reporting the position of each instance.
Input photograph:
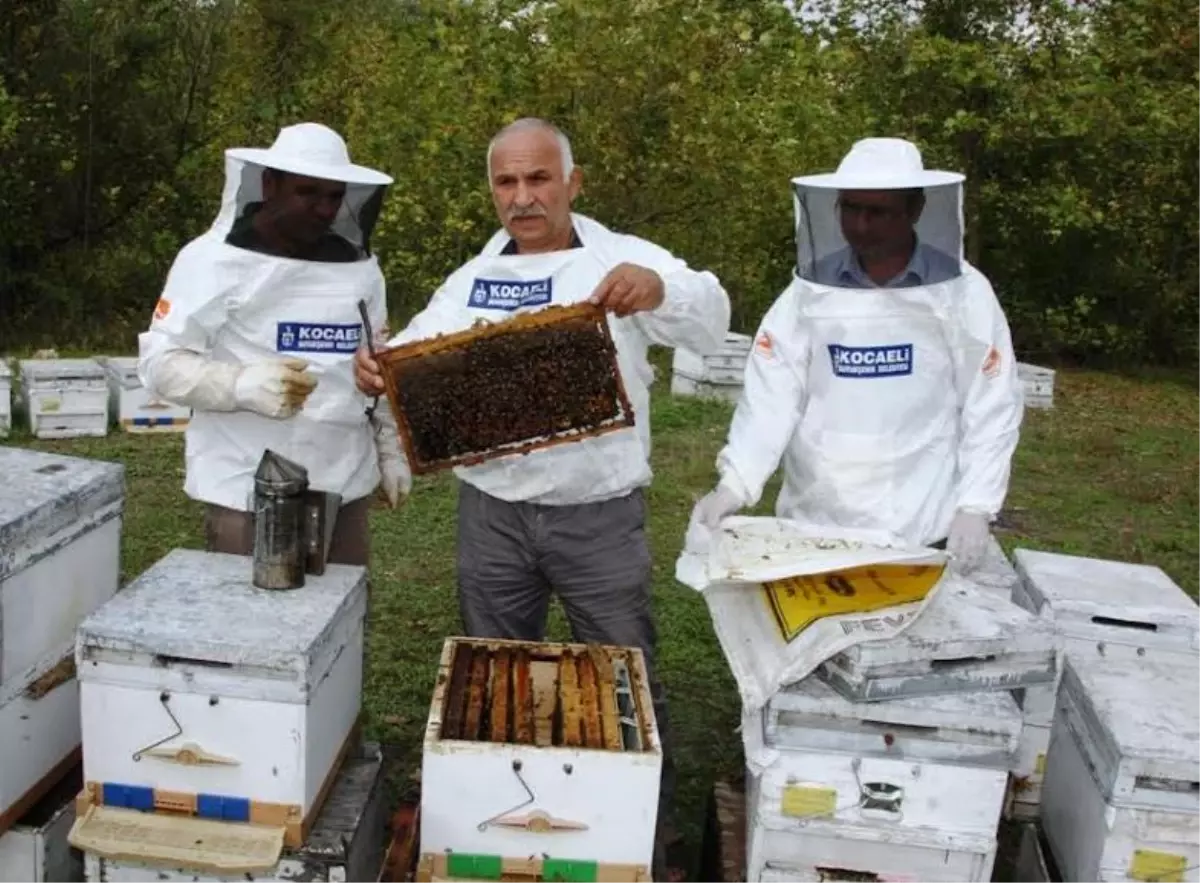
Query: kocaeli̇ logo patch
(507, 294)
(305, 337)
(871, 361)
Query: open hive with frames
(540, 379)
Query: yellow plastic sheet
(799, 601)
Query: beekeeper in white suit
(883, 377)
(257, 328)
(568, 519)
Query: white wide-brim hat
(881, 164)
(313, 150)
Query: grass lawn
(1111, 472)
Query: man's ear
(574, 183)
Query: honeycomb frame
(398, 362)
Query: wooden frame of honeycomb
(540, 379)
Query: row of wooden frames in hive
(539, 379)
(573, 696)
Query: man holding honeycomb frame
(571, 518)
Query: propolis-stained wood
(539, 379)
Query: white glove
(274, 389)
(395, 476)
(968, 540)
(707, 515)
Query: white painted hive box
(540, 750)
(132, 406)
(60, 546)
(1109, 608)
(5, 398)
(967, 639)
(903, 789)
(699, 389)
(36, 847)
(346, 842)
(1037, 385)
(203, 693)
(65, 398)
(725, 366)
(1121, 797)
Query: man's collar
(511, 246)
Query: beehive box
(1096, 607)
(36, 847)
(726, 366)
(539, 750)
(967, 639)
(5, 398)
(544, 378)
(65, 398)
(346, 842)
(203, 694)
(1037, 385)
(902, 789)
(132, 407)
(1121, 797)
(60, 544)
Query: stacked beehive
(60, 539)
(717, 375)
(1037, 385)
(892, 760)
(131, 406)
(1114, 743)
(65, 398)
(541, 761)
(217, 719)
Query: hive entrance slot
(515, 695)
(1125, 623)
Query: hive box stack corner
(60, 543)
(208, 703)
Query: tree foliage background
(1076, 124)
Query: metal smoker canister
(280, 545)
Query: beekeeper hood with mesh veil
(258, 323)
(883, 378)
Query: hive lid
(968, 638)
(1138, 723)
(180, 608)
(123, 369)
(1088, 593)
(177, 841)
(5, 370)
(810, 714)
(33, 370)
(48, 499)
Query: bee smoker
(293, 525)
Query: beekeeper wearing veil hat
(883, 377)
(256, 330)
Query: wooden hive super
(539, 750)
(537, 380)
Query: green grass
(1111, 472)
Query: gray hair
(526, 124)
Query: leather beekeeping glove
(275, 389)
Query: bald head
(533, 181)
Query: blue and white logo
(871, 361)
(507, 294)
(305, 337)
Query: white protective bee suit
(893, 408)
(495, 286)
(262, 347)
